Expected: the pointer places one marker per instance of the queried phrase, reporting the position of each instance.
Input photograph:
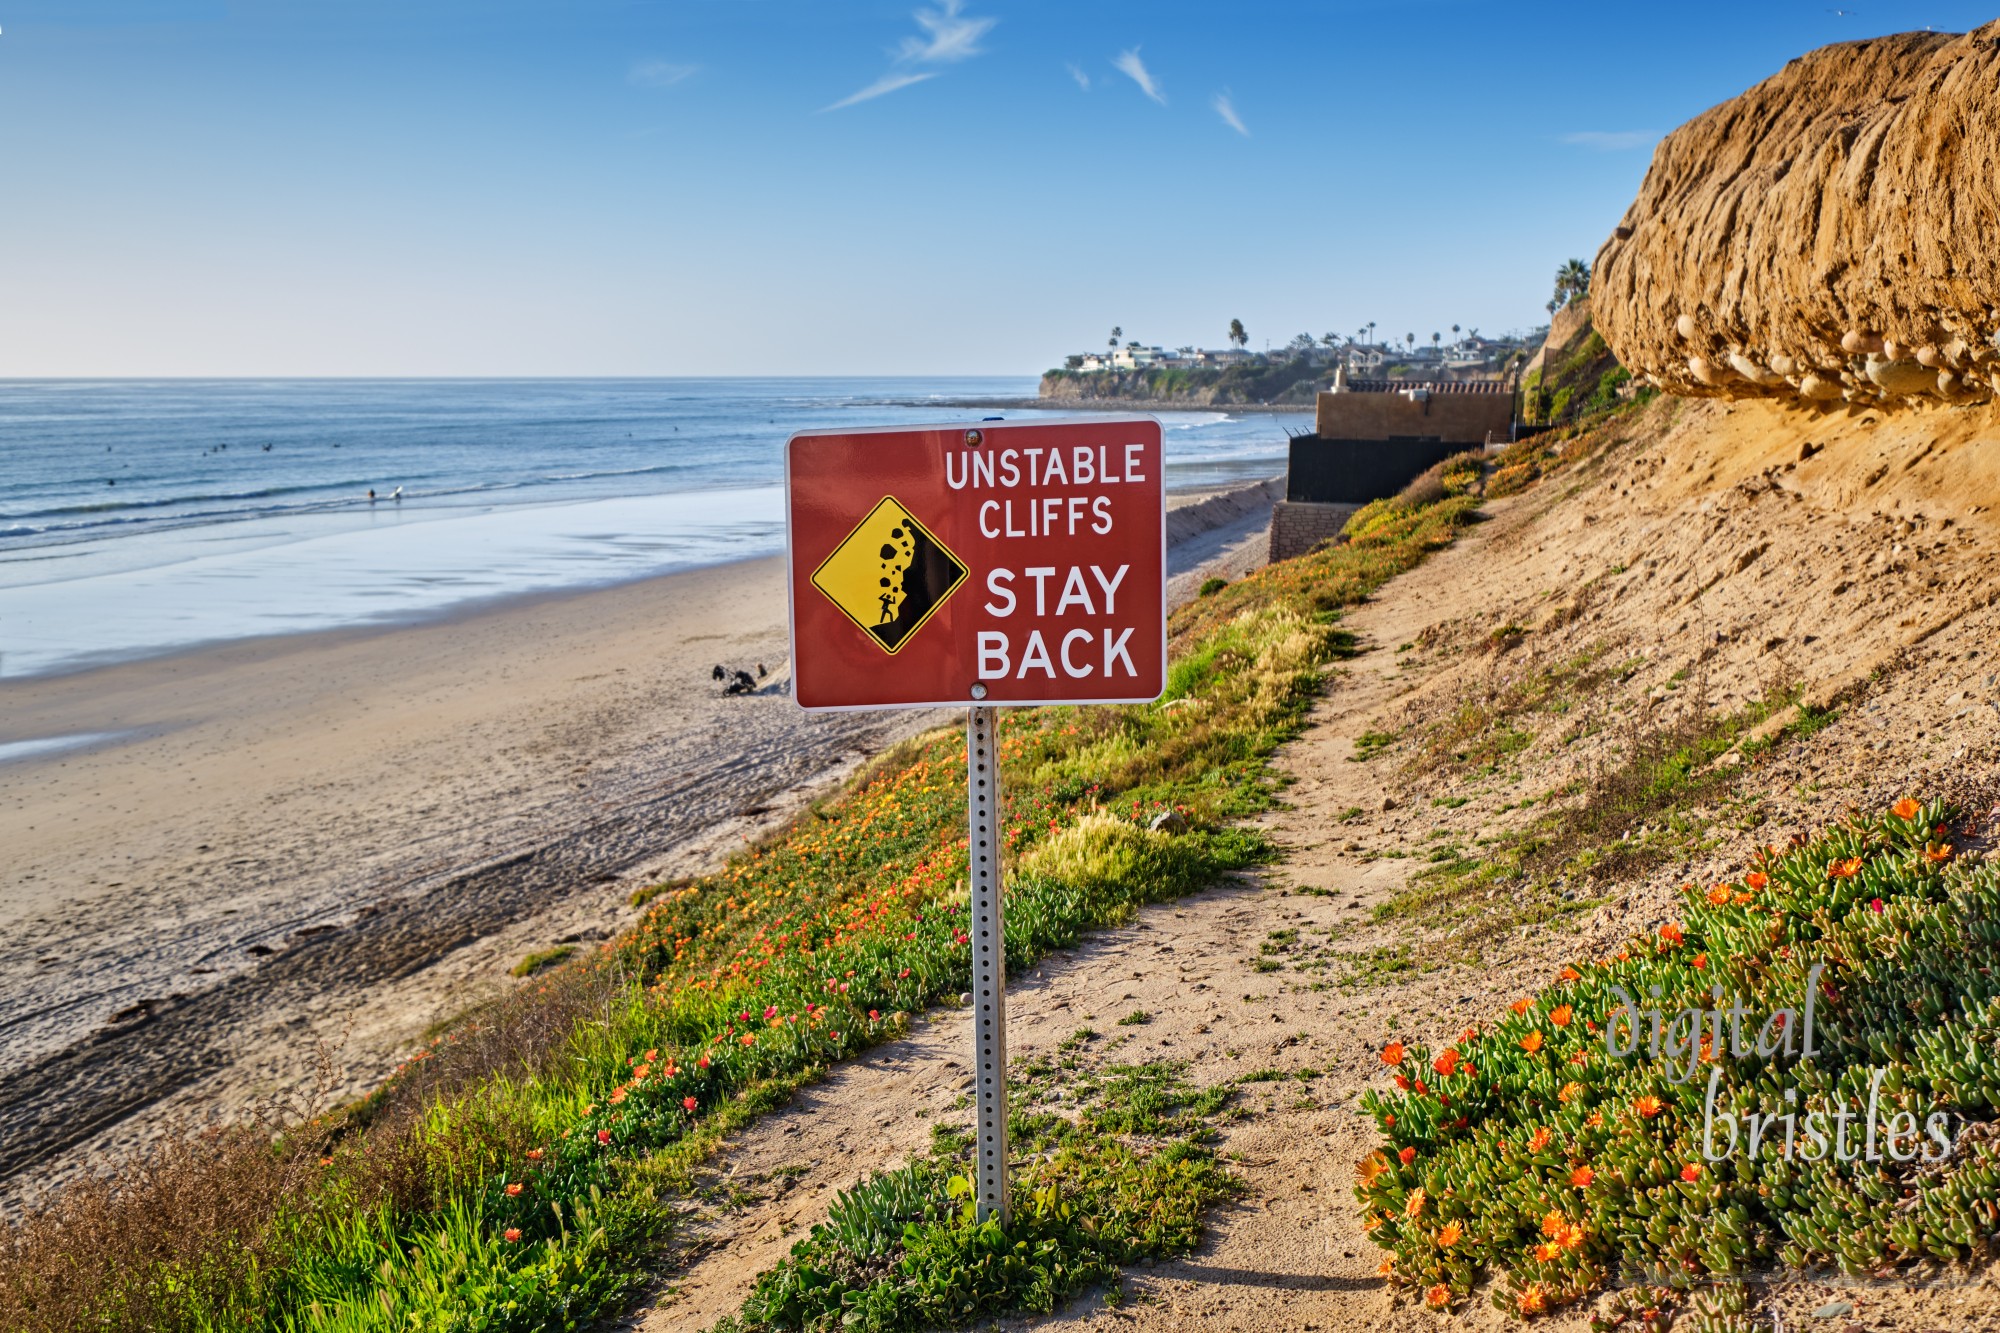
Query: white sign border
(991, 700)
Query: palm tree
(1116, 334)
(1371, 330)
(1411, 339)
(1454, 333)
(1329, 340)
(1237, 334)
(1435, 340)
(1572, 281)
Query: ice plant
(1392, 1054)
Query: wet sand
(350, 836)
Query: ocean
(142, 517)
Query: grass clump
(1126, 1179)
(542, 958)
(1534, 1150)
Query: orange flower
(1448, 1235)
(1569, 974)
(511, 1234)
(1671, 932)
(1467, 1035)
(1521, 1006)
(1561, 1015)
(1846, 869)
(1553, 1224)
(1719, 895)
(1532, 1042)
(1540, 1139)
(1756, 879)
(1437, 1297)
(513, 1191)
(1374, 1220)
(1446, 1062)
(1531, 1299)
(1582, 1176)
(534, 1154)
(1370, 1168)
(1937, 853)
(1701, 960)
(1547, 1250)
(1386, 1267)
(1648, 1106)
(1415, 1206)
(1905, 809)
(1596, 1120)
(1691, 1173)
(1570, 1092)
(1392, 1054)
(1406, 1156)
(617, 1095)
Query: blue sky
(416, 187)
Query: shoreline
(345, 836)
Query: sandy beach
(348, 837)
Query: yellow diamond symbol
(890, 574)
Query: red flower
(1691, 1173)
(604, 1136)
(1671, 932)
(1446, 1062)
(688, 1104)
(1874, 904)
(1392, 1054)
(1756, 879)
(873, 1016)
(1406, 1156)
(511, 1235)
(513, 1191)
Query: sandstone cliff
(1831, 234)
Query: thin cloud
(1610, 141)
(949, 38)
(659, 73)
(1227, 110)
(953, 37)
(888, 83)
(1082, 79)
(1129, 64)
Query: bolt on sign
(980, 566)
(1001, 564)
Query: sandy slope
(347, 837)
(1868, 571)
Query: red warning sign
(991, 564)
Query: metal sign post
(989, 961)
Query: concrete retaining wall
(1298, 526)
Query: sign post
(1003, 564)
(989, 962)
